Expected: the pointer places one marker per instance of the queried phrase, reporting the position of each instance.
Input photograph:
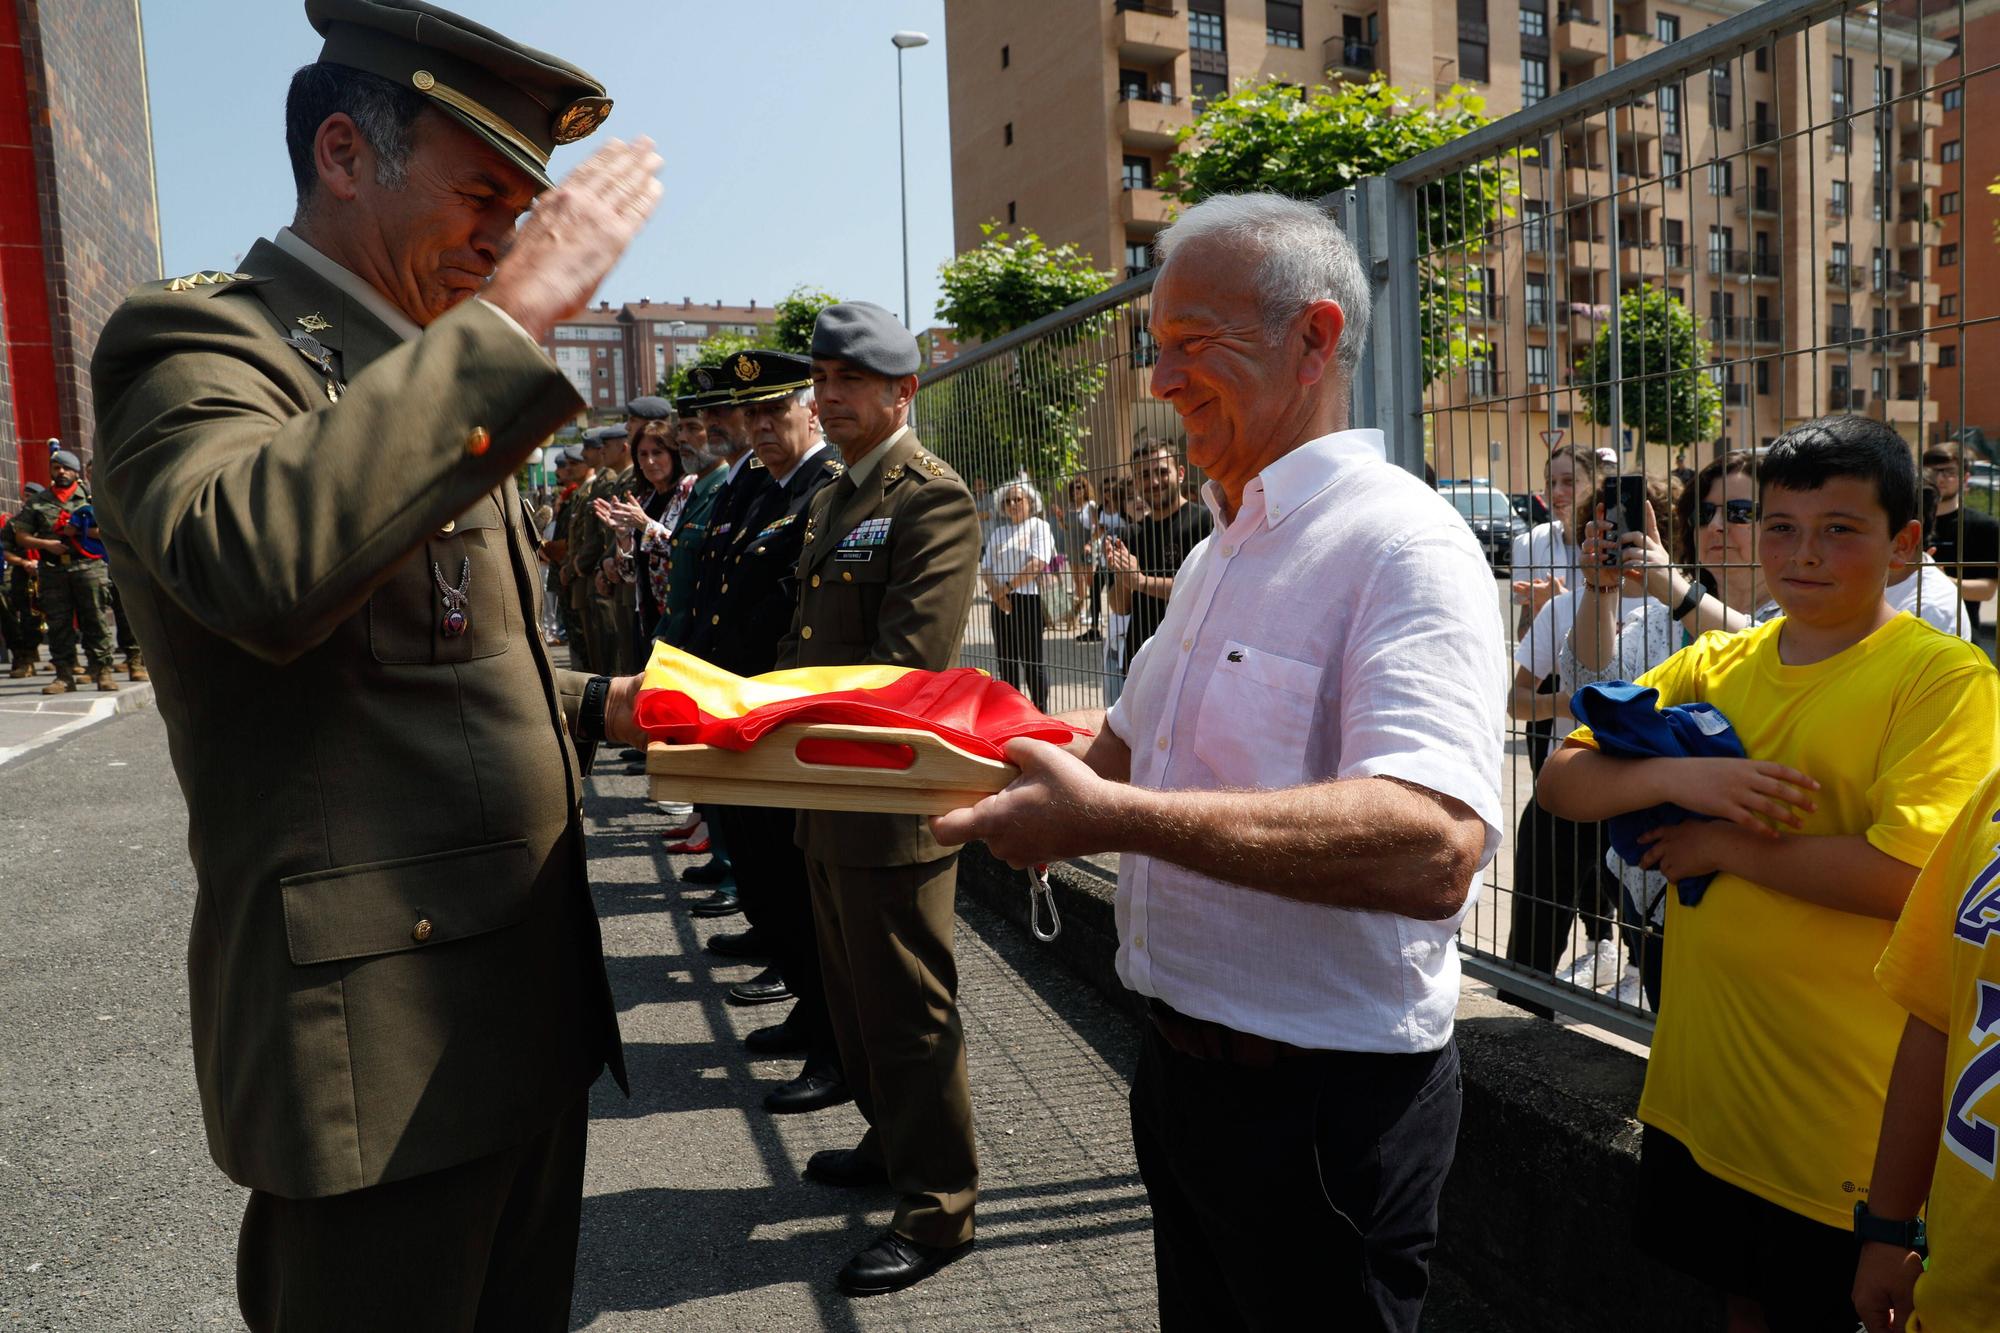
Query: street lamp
(903, 41)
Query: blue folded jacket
(1629, 724)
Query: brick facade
(75, 73)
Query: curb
(130, 698)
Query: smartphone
(1624, 501)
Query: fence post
(1381, 218)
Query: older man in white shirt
(1303, 774)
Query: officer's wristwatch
(1904, 1235)
(590, 714)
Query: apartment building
(1781, 226)
(613, 354)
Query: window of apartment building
(1950, 150)
(1138, 258)
(1721, 98)
(1878, 381)
(1670, 110)
(1138, 173)
(1205, 26)
(1763, 374)
(1011, 219)
(1006, 57)
(1948, 355)
(1472, 39)
(1948, 304)
(1760, 60)
(603, 372)
(1667, 27)
(1954, 98)
(1879, 270)
(1670, 168)
(1538, 366)
(1840, 198)
(1534, 18)
(1881, 156)
(1534, 80)
(1009, 134)
(1842, 315)
(1482, 373)
(1947, 256)
(1535, 299)
(1885, 84)
(1673, 240)
(1534, 224)
(1721, 240)
(1948, 202)
(1282, 24)
(1721, 177)
(1843, 81)
(1208, 85)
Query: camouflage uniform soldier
(24, 617)
(76, 584)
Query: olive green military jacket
(886, 576)
(394, 962)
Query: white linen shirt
(1343, 626)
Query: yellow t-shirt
(1771, 1056)
(1938, 967)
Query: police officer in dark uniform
(754, 612)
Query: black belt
(1204, 1040)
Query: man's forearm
(1107, 756)
(1369, 843)
(1978, 590)
(1912, 1119)
(1846, 873)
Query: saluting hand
(1058, 808)
(574, 234)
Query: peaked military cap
(522, 101)
(759, 374)
(867, 336)
(711, 389)
(649, 408)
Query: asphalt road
(112, 1217)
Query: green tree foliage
(1026, 410)
(1270, 136)
(793, 331)
(1667, 396)
(710, 351)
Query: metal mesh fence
(1624, 292)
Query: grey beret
(593, 438)
(649, 408)
(64, 458)
(866, 336)
(617, 432)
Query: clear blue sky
(777, 121)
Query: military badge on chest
(453, 622)
(861, 544)
(319, 357)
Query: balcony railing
(1762, 199)
(1841, 398)
(1844, 333)
(1845, 275)
(1729, 261)
(1164, 96)
(1742, 328)
(1763, 130)
(1675, 252)
(1143, 7)
(1735, 393)
(1348, 53)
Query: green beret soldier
(886, 575)
(398, 993)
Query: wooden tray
(942, 778)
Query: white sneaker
(1631, 989)
(1595, 967)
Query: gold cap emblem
(746, 367)
(424, 80)
(580, 118)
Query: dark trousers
(488, 1244)
(892, 990)
(1302, 1195)
(1559, 872)
(771, 885)
(24, 628)
(1017, 642)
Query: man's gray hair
(1306, 258)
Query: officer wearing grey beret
(886, 576)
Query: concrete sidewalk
(30, 719)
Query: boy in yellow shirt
(1941, 1127)
(1867, 730)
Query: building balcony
(1485, 308)
(1907, 349)
(1836, 334)
(1898, 410)
(1766, 266)
(1148, 34)
(1151, 120)
(1584, 183)
(1729, 263)
(1735, 393)
(1920, 113)
(1145, 210)
(1587, 255)
(1348, 57)
(1743, 329)
(1911, 232)
(1847, 277)
(1580, 40)
(1841, 398)
(1632, 45)
(1916, 173)
(1918, 292)
(1763, 134)
(1759, 202)
(1676, 256)
(1482, 384)
(1638, 259)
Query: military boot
(21, 671)
(106, 682)
(136, 671)
(62, 684)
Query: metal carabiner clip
(1041, 895)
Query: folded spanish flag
(686, 701)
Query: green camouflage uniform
(76, 589)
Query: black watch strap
(1907, 1234)
(1690, 599)
(590, 714)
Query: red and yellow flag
(686, 701)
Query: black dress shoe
(778, 1039)
(767, 987)
(845, 1169)
(895, 1262)
(722, 902)
(810, 1091)
(715, 870)
(737, 944)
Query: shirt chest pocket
(1255, 718)
(462, 567)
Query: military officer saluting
(886, 575)
(75, 587)
(397, 988)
